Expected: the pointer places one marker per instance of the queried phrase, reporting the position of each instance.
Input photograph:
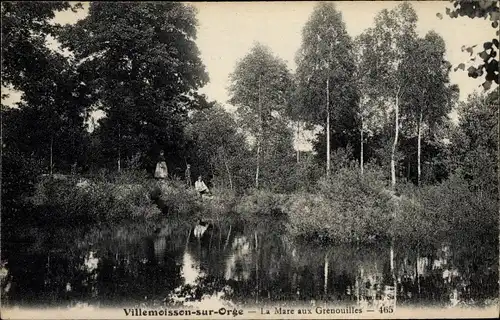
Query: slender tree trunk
(298, 132)
(256, 240)
(392, 253)
(393, 184)
(395, 142)
(227, 239)
(187, 238)
(416, 270)
(393, 271)
(361, 156)
(51, 163)
(328, 164)
(419, 148)
(356, 288)
(325, 286)
(259, 138)
(257, 268)
(258, 166)
(119, 161)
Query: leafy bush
(467, 219)
(179, 200)
(261, 203)
(223, 204)
(297, 177)
(70, 199)
(18, 179)
(313, 217)
(346, 207)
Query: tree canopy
(260, 88)
(143, 67)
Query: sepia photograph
(250, 160)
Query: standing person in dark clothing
(187, 175)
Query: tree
(293, 110)
(52, 111)
(218, 146)
(324, 70)
(143, 66)
(489, 66)
(489, 63)
(47, 124)
(370, 107)
(25, 27)
(393, 37)
(388, 77)
(259, 87)
(474, 142)
(430, 97)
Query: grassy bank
(348, 207)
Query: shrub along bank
(348, 207)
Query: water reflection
(135, 265)
(240, 257)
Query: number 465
(386, 309)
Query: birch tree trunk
(228, 237)
(257, 268)
(361, 156)
(393, 184)
(229, 176)
(258, 166)
(325, 287)
(258, 140)
(395, 142)
(328, 127)
(419, 148)
(416, 270)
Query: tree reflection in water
(134, 265)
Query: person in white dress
(161, 171)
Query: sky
(227, 31)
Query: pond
(137, 264)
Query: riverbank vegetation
(388, 162)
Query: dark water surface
(142, 265)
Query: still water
(144, 265)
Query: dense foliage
(399, 168)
